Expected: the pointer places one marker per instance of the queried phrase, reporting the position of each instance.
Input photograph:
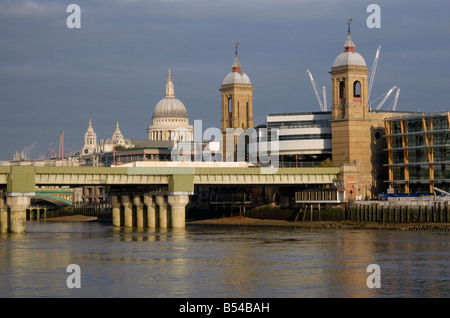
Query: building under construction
(418, 152)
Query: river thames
(221, 262)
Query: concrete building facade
(304, 138)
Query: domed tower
(170, 120)
(349, 76)
(90, 140)
(357, 145)
(237, 102)
(237, 98)
(350, 110)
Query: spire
(90, 127)
(117, 134)
(170, 90)
(349, 46)
(236, 67)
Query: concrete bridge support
(151, 212)
(137, 202)
(34, 214)
(178, 213)
(4, 226)
(17, 213)
(127, 210)
(115, 203)
(164, 213)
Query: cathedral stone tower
(90, 140)
(237, 101)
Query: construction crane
(445, 193)
(372, 74)
(386, 97)
(322, 103)
(394, 106)
(48, 151)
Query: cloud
(26, 152)
(228, 10)
(28, 9)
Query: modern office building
(418, 148)
(304, 138)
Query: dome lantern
(170, 106)
(349, 56)
(236, 76)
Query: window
(356, 89)
(342, 90)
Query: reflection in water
(221, 262)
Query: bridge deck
(26, 179)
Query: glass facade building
(304, 138)
(418, 149)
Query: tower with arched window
(90, 140)
(354, 138)
(349, 77)
(237, 101)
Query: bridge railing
(230, 198)
(90, 209)
(331, 195)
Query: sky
(115, 66)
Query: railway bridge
(141, 196)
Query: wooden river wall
(399, 211)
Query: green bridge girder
(25, 179)
(54, 195)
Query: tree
(326, 163)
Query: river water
(222, 262)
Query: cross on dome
(170, 89)
(236, 67)
(349, 46)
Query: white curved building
(170, 120)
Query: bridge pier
(115, 203)
(178, 213)
(151, 211)
(127, 210)
(163, 208)
(4, 228)
(137, 202)
(17, 213)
